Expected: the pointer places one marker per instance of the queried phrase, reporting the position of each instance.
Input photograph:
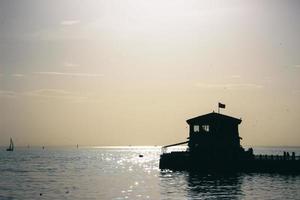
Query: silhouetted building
(214, 145)
(214, 134)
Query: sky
(131, 72)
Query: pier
(214, 145)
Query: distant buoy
(141, 155)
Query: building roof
(214, 117)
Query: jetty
(214, 145)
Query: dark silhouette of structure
(11, 145)
(214, 146)
(215, 135)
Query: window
(205, 128)
(196, 128)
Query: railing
(173, 149)
(276, 157)
(164, 149)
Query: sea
(129, 173)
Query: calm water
(119, 173)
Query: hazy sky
(131, 72)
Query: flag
(221, 105)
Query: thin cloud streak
(296, 66)
(69, 74)
(230, 86)
(44, 93)
(54, 93)
(70, 64)
(69, 22)
(17, 75)
(236, 76)
(8, 94)
(296, 92)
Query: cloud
(70, 64)
(7, 94)
(230, 86)
(69, 22)
(45, 93)
(68, 31)
(69, 74)
(296, 91)
(55, 93)
(236, 76)
(49, 92)
(296, 66)
(17, 75)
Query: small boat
(141, 155)
(11, 146)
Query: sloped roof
(214, 117)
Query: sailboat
(11, 146)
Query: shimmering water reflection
(120, 173)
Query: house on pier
(214, 134)
(214, 146)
